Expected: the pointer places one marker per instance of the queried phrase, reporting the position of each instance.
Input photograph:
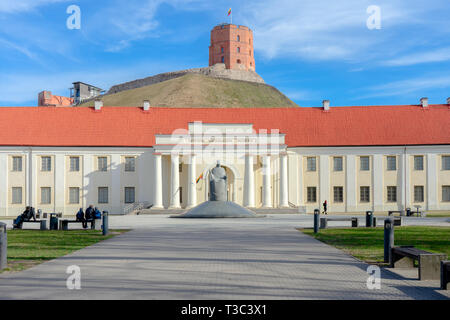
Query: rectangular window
(445, 162)
(74, 164)
(103, 195)
(46, 194)
(392, 163)
(16, 195)
(180, 168)
(418, 163)
(74, 195)
(337, 163)
(17, 164)
(129, 195)
(392, 194)
(446, 193)
(418, 193)
(338, 194)
(311, 164)
(311, 194)
(365, 163)
(102, 164)
(130, 164)
(364, 194)
(46, 164)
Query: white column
(300, 190)
(351, 183)
(377, 179)
(432, 182)
(405, 182)
(175, 185)
(116, 187)
(88, 196)
(192, 191)
(249, 182)
(60, 188)
(4, 184)
(284, 191)
(324, 180)
(157, 199)
(267, 178)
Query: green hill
(199, 91)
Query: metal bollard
(3, 246)
(105, 228)
(316, 220)
(369, 219)
(53, 223)
(388, 239)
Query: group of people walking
(91, 213)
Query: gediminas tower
(232, 45)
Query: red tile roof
(133, 127)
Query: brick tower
(232, 45)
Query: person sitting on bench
(90, 212)
(24, 217)
(97, 213)
(80, 218)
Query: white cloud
(438, 55)
(13, 6)
(329, 29)
(417, 86)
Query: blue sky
(311, 49)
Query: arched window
(239, 50)
(238, 38)
(221, 50)
(250, 53)
(238, 61)
(223, 59)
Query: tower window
(221, 50)
(238, 38)
(223, 59)
(239, 50)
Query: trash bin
(408, 212)
(105, 227)
(316, 220)
(369, 219)
(53, 223)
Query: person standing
(325, 207)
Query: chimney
(326, 105)
(424, 102)
(146, 105)
(98, 104)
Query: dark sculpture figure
(218, 206)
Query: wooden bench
(391, 212)
(43, 224)
(429, 263)
(445, 274)
(64, 224)
(324, 221)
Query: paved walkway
(166, 258)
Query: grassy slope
(196, 91)
(367, 244)
(27, 248)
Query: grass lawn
(27, 248)
(367, 244)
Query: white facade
(262, 172)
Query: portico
(248, 156)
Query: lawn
(27, 248)
(367, 244)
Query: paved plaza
(262, 258)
